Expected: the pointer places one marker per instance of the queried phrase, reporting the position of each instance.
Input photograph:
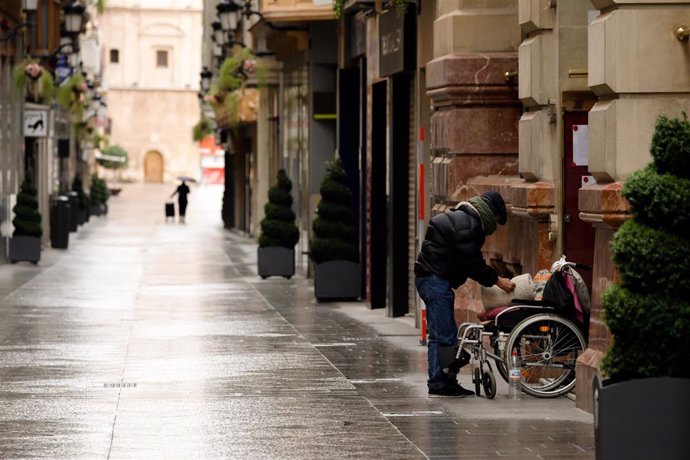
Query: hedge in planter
(335, 237)
(99, 195)
(652, 253)
(640, 410)
(334, 247)
(25, 243)
(279, 234)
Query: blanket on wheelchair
(496, 297)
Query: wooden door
(578, 234)
(153, 167)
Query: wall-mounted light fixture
(74, 16)
(205, 81)
(229, 15)
(219, 35)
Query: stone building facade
(553, 104)
(152, 64)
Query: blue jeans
(442, 330)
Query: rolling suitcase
(169, 210)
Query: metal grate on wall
(412, 202)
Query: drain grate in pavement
(337, 344)
(120, 385)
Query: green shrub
(651, 260)
(671, 146)
(662, 319)
(278, 212)
(333, 192)
(335, 230)
(202, 129)
(99, 190)
(335, 238)
(116, 157)
(649, 314)
(330, 211)
(278, 226)
(661, 200)
(27, 220)
(279, 197)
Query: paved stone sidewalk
(149, 339)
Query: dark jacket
(452, 249)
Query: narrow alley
(150, 339)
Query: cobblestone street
(148, 339)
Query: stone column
(553, 50)
(473, 130)
(639, 70)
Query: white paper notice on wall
(588, 180)
(581, 145)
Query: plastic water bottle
(514, 389)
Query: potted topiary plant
(25, 244)
(641, 410)
(279, 234)
(99, 196)
(334, 246)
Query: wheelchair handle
(576, 265)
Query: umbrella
(186, 179)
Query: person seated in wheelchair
(450, 254)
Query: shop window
(45, 34)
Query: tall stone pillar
(473, 128)
(553, 49)
(639, 69)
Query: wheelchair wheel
(489, 384)
(501, 366)
(547, 348)
(477, 382)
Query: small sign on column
(35, 123)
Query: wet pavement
(149, 339)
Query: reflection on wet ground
(149, 339)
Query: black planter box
(276, 261)
(642, 419)
(25, 249)
(337, 279)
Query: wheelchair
(547, 340)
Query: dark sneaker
(453, 391)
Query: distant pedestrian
(452, 252)
(182, 191)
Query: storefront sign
(35, 123)
(396, 43)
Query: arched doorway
(153, 167)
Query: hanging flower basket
(34, 81)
